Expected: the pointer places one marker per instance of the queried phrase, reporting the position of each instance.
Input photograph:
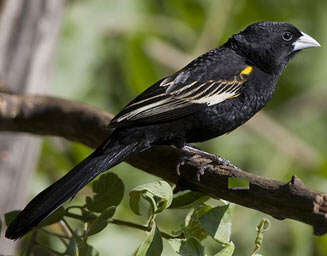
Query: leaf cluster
(206, 221)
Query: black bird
(214, 94)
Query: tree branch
(80, 122)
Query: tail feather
(65, 188)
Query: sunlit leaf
(175, 244)
(189, 247)
(158, 194)
(193, 228)
(227, 251)
(205, 220)
(152, 246)
(217, 223)
(188, 199)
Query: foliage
(201, 221)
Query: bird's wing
(179, 95)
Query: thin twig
(75, 216)
(141, 227)
(130, 224)
(75, 207)
(66, 228)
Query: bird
(212, 95)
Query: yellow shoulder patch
(247, 71)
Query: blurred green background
(111, 50)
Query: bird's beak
(304, 41)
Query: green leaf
(158, 194)
(188, 199)
(191, 247)
(54, 217)
(85, 249)
(227, 251)
(152, 245)
(71, 248)
(205, 220)
(187, 247)
(101, 222)
(109, 191)
(193, 228)
(10, 216)
(175, 244)
(217, 223)
(0, 225)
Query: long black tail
(106, 156)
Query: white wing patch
(182, 95)
(157, 107)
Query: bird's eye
(287, 36)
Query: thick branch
(86, 124)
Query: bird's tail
(103, 158)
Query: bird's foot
(200, 171)
(214, 158)
(193, 152)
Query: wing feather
(160, 102)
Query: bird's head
(270, 45)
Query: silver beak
(304, 41)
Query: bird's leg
(192, 151)
(200, 170)
(180, 143)
(214, 158)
